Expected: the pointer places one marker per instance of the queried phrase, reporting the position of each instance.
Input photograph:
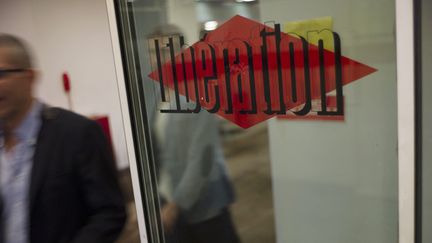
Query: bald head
(16, 81)
(17, 53)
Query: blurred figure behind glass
(58, 180)
(194, 184)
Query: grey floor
(247, 154)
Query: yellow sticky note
(311, 30)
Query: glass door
(264, 121)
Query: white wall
(183, 14)
(336, 182)
(71, 36)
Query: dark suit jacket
(74, 192)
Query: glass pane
(426, 76)
(271, 121)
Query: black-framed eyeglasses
(5, 72)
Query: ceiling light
(210, 25)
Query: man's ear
(33, 75)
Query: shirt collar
(27, 130)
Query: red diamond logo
(248, 72)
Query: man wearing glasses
(57, 177)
